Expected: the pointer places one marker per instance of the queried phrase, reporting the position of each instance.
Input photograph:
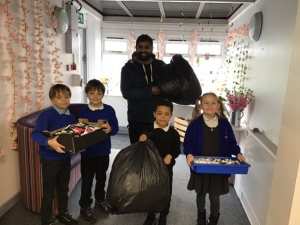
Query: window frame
(210, 43)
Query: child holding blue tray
(209, 135)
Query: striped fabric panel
(30, 171)
(181, 124)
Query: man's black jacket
(137, 91)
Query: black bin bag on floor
(178, 82)
(139, 181)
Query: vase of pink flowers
(237, 100)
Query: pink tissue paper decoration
(193, 47)
(131, 44)
(30, 58)
(161, 38)
(241, 31)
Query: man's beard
(144, 56)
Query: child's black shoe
(213, 219)
(51, 221)
(67, 219)
(88, 215)
(201, 220)
(162, 220)
(103, 206)
(150, 219)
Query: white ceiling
(166, 9)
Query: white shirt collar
(165, 128)
(93, 108)
(211, 122)
(61, 111)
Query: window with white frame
(209, 48)
(209, 66)
(116, 45)
(115, 55)
(175, 47)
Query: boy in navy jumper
(95, 160)
(167, 141)
(55, 162)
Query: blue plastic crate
(241, 168)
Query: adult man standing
(139, 87)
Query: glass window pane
(167, 59)
(115, 45)
(209, 48)
(210, 74)
(177, 48)
(111, 72)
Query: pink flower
(238, 100)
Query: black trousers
(91, 167)
(214, 203)
(135, 129)
(56, 176)
(167, 209)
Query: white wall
(253, 189)
(93, 41)
(120, 106)
(267, 191)
(268, 68)
(284, 190)
(93, 51)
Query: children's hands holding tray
(53, 143)
(241, 158)
(104, 125)
(189, 159)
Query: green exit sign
(81, 19)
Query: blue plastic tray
(241, 168)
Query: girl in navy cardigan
(209, 135)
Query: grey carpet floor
(183, 205)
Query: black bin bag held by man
(139, 181)
(178, 82)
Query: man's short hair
(58, 88)
(164, 102)
(94, 84)
(144, 38)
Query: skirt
(216, 184)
